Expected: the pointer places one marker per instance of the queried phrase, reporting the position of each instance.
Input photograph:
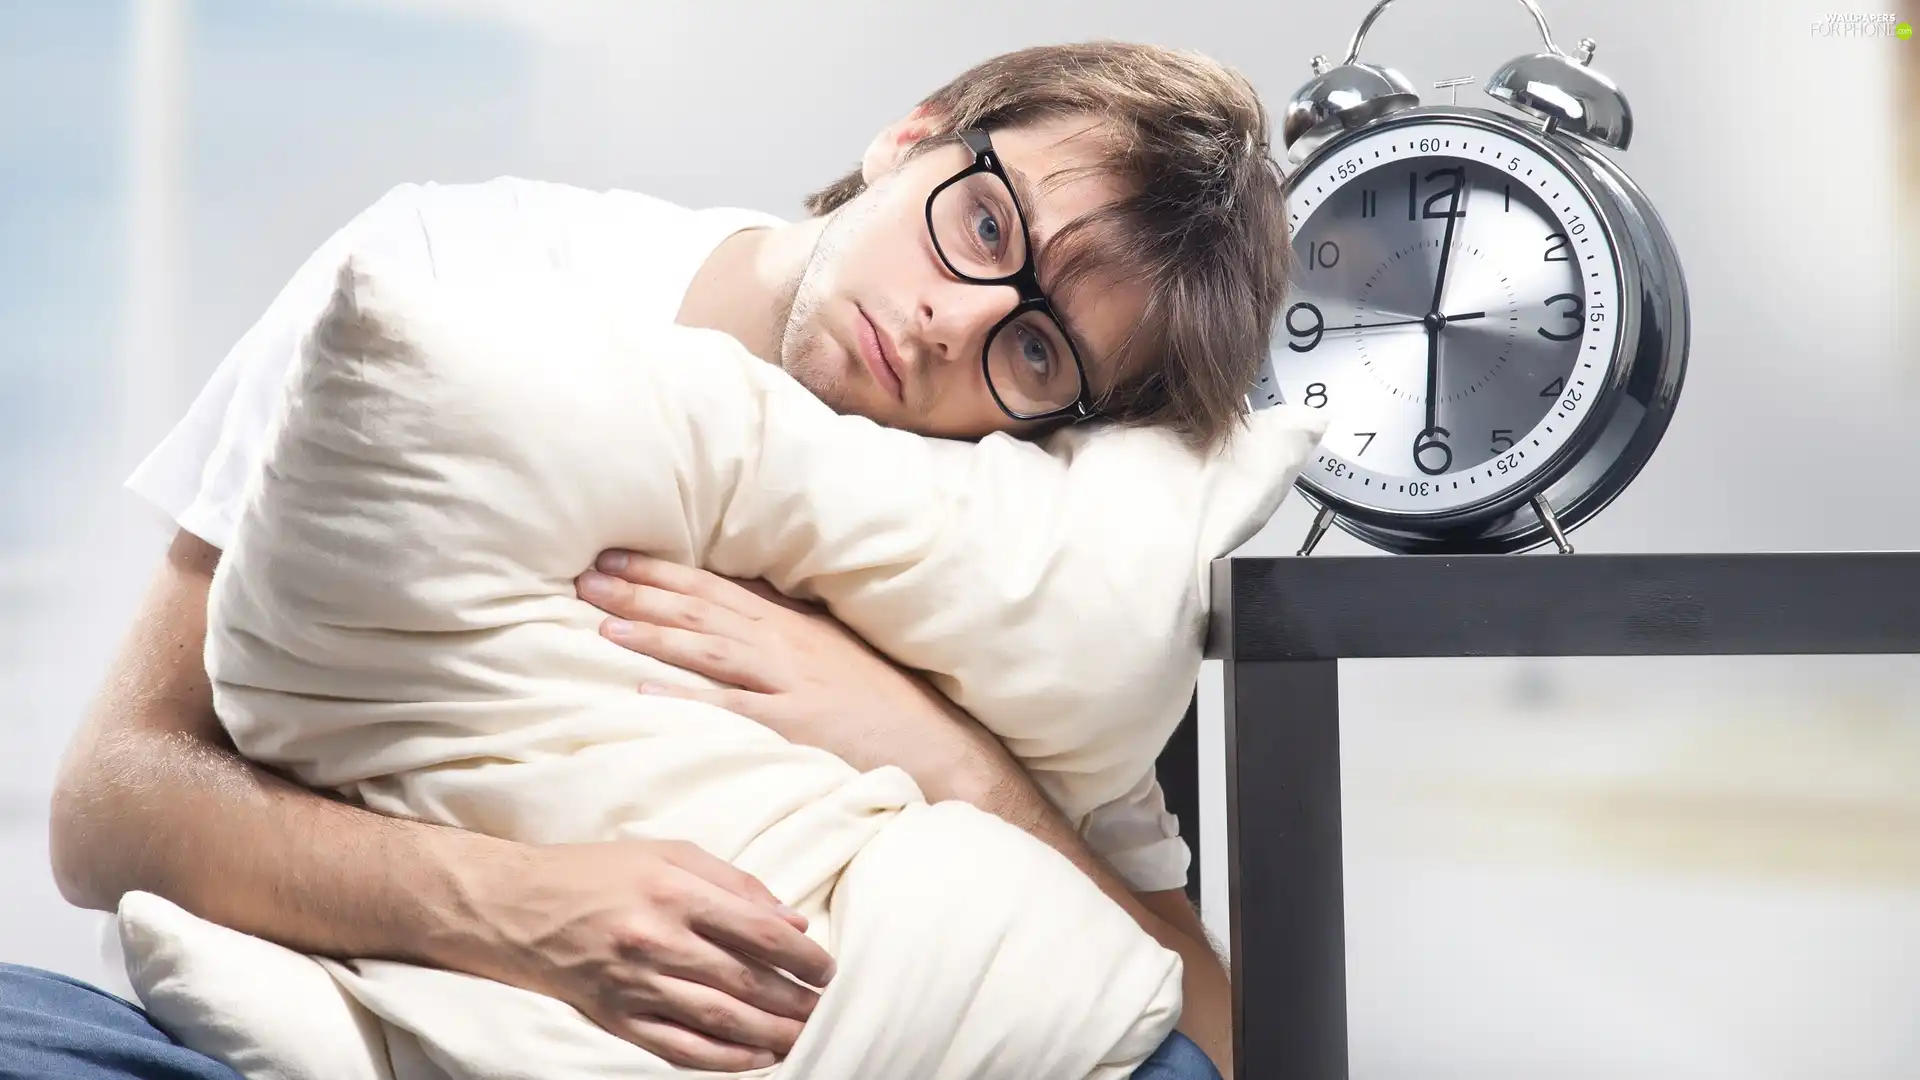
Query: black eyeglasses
(1033, 369)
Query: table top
(1549, 604)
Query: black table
(1282, 626)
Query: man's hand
(658, 942)
(803, 674)
(792, 667)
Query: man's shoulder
(619, 236)
(519, 204)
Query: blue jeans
(56, 1028)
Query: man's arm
(153, 797)
(150, 772)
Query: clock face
(1454, 309)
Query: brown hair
(1202, 218)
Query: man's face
(875, 277)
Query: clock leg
(1317, 530)
(1545, 509)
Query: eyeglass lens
(978, 234)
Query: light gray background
(1581, 868)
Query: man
(1127, 195)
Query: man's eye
(1034, 350)
(987, 228)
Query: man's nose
(957, 317)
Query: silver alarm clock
(1489, 309)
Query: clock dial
(1452, 308)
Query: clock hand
(1434, 319)
(1433, 376)
(1409, 322)
(1446, 242)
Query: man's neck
(745, 288)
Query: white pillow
(1056, 590)
(468, 451)
(395, 618)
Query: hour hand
(1446, 240)
(1428, 320)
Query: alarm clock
(1490, 311)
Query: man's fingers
(698, 861)
(749, 982)
(648, 603)
(711, 868)
(685, 580)
(677, 1045)
(720, 658)
(722, 1018)
(753, 931)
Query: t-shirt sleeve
(199, 472)
(1140, 838)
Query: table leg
(1285, 895)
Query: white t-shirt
(631, 250)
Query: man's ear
(890, 146)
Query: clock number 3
(1571, 316)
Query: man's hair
(1201, 218)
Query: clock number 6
(1432, 439)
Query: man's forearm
(152, 797)
(170, 813)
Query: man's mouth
(882, 362)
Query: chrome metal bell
(1340, 98)
(1560, 90)
(1566, 94)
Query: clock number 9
(1314, 330)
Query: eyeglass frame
(1025, 281)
